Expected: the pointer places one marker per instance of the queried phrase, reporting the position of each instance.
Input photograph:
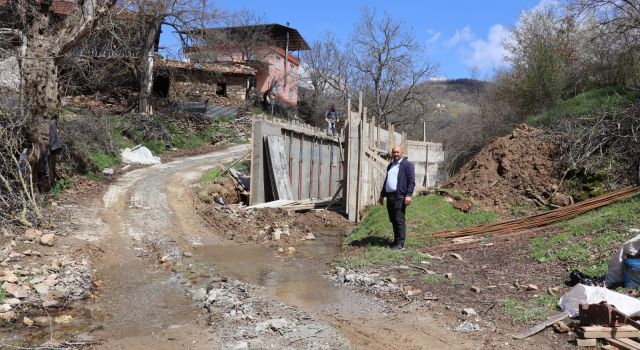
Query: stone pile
(243, 319)
(372, 282)
(30, 278)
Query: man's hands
(407, 200)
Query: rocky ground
(40, 278)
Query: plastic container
(631, 272)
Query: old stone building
(182, 81)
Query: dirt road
(157, 254)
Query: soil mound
(509, 168)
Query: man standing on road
(398, 188)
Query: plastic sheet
(615, 274)
(581, 294)
(139, 155)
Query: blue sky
(459, 35)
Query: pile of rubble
(242, 319)
(372, 282)
(32, 279)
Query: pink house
(269, 48)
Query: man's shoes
(397, 247)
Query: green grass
(60, 186)
(212, 174)
(3, 294)
(586, 242)
(103, 159)
(437, 278)
(585, 103)
(427, 214)
(536, 309)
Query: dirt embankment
(512, 170)
(271, 226)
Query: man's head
(396, 153)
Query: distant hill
(455, 97)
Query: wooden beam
(624, 343)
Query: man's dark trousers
(396, 209)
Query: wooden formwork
(367, 147)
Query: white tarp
(139, 155)
(581, 294)
(615, 275)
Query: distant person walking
(332, 120)
(398, 188)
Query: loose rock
(48, 239)
(27, 321)
(469, 311)
(467, 326)
(32, 234)
(561, 327)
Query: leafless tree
(44, 31)
(183, 16)
(242, 37)
(324, 75)
(388, 64)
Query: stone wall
(201, 87)
(9, 74)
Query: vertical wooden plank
(278, 164)
(319, 168)
(290, 159)
(392, 137)
(424, 131)
(300, 163)
(347, 164)
(361, 174)
(404, 141)
(371, 129)
(426, 166)
(378, 142)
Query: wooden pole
(424, 131)
(360, 175)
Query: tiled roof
(216, 68)
(61, 7)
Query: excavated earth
(501, 175)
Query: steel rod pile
(544, 218)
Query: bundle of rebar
(542, 219)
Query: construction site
(231, 194)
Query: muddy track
(148, 214)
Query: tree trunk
(146, 67)
(40, 90)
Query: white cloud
(433, 36)
(486, 55)
(462, 36)
(438, 78)
(546, 4)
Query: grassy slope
(427, 214)
(584, 103)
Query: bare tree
(45, 30)
(388, 64)
(147, 18)
(324, 74)
(243, 37)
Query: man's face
(396, 154)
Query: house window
(291, 95)
(276, 89)
(221, 89)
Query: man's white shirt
(392, 177)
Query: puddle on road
(294, 278)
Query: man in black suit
(398, 188)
